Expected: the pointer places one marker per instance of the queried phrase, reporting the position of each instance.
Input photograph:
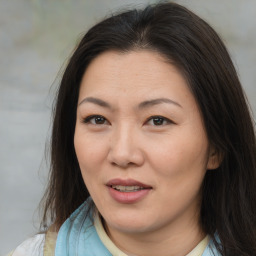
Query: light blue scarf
(78, 237)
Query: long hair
(228, 210)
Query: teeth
(127, 188)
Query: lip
(127, 182)
(128, 197)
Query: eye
(158, 121)
(95, 120)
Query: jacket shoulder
(33, 246)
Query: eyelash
(163, 120)
(89, 119)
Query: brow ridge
(149, 103)
(144, 104)
(96, 101)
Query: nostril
(125, 153)
(122, 164)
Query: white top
(33, 246)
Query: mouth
(128, 185)
(128, 191)
(127, 188)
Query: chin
(129, 224)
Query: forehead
(140, 71)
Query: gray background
(36, 38)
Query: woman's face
(141, 143)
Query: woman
(153, 147)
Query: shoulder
(33, 246)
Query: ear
(215, 159)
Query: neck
(176, 242)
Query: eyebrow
(149, 103)
(96, 101)
(144, 104)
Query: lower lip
(128, 197)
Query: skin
(171, 154)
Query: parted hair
(228, 208)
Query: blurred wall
(36, 37)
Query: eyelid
(87, 120)
(169, 121)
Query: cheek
(89, 155)
(180, 170)
(180, 158)
(90, 150)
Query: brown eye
(96, 120)
(99, 120)
(158, 121)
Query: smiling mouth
(128, 191)
(127, 188)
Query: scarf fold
(78, 236)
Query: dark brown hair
(228, 206)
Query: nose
(125, 149)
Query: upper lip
(127, 182)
